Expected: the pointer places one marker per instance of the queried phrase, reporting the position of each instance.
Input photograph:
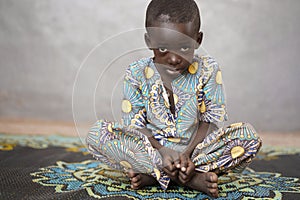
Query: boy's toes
(205, 182)
(212, 185)
(135, 179)
(136, 185)
(212, 177)
(142, 180)
(214, 192)
(131, 174)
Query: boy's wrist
(188, 153)
(155, 144)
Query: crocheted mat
(59, 167)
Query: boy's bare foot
(139, 181)
(205, 182)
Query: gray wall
(44, 44)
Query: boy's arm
(152, 140)
(170, 158)
(186, 166)
(132, 104)
(197, 138)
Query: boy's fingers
(168, 164)
(191, 168)
(183, 178)
(189, 171)
(182, 175)
(177, 163)
(171, 173)
(170, 167)
(183, 162)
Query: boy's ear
(199, 39)
(147, 40)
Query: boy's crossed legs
(227, 149)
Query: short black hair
(173, 11)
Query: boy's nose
(174, 59)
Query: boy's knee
(244, 131)
(253, 135)
(250, 131)
(94, 135)
(102, 132)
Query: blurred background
(45, 44)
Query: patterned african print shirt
(198, 96)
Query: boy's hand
(186, 168)
(170, 159)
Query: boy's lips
(175, 71)
(172, 71)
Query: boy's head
(173, 11)
(173, 33)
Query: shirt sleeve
(211, 98)
(133, 109)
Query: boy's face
(173, 45)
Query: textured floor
(60, 167)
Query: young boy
(171, 103)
